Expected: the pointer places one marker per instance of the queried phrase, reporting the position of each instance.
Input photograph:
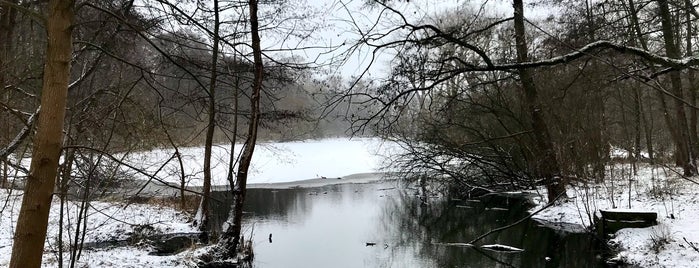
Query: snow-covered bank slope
(656, 189)
(106, 221)
(274, 162)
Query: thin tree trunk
(63, 195)
(234, 133)
(231, 235)
(30, 234)
(636, 124)
(661, 96)
(547, 166)
(692, 82)
(206, 190)
(7, 21)
(683, 147)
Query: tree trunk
(547, 166)
(30, 233)
(683, 143)
(7, 21)
(234, 133)
(636, 29)
(692, 87)
(206, 189)
(231, 234)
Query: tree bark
(30, 233)
(547, 166)
(231, 234)
(683, 143)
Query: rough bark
(30, 233)
(547, 165)
(231, 234)
(683, 143)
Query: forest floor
(671, 243)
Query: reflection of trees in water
(267, 203)
(417, 227)
(411, 230)
(292, 204)
(412, 226)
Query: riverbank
(671, 243)
(106, 221)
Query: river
(384, 224)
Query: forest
(587, 104)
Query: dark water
(331, 226)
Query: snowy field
(656, 189)
(272, 162)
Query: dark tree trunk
(7, 24)
(231, 235)
(547, 165)
(692, 87)
(211, 127)
(30, 234)
(683, 143)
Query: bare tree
(211, 127)
(683, 143)
(230, 239)
(548, 164)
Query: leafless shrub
(659, 237)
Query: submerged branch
(517, 222)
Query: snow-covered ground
(106, 221)
(273, 162)
(656, 189)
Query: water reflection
(331, 226)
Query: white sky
(334, 23)
(340, 15)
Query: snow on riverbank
(106, 221)
(658, 189)
(274, 162)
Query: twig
(680, 174)
(691, 244)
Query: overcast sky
(340, 16)
(337, 22)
